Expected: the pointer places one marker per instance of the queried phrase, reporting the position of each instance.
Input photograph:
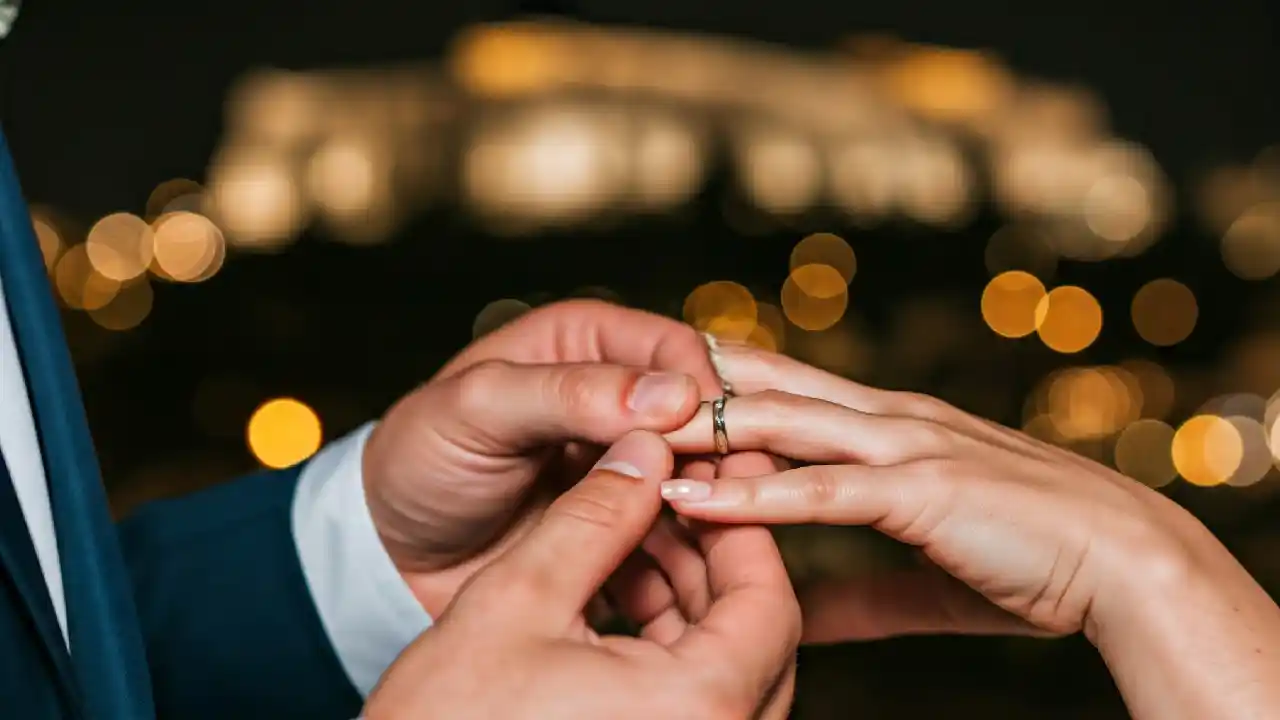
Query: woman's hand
(1050, 541)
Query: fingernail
(686, 490)
(659, 394)
(714, 352)
(622, 468)
(611, 462)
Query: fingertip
(639, 454)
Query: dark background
(103, 101)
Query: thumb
(586, 534)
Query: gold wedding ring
(719, 433)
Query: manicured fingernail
(659, 393)
(622, 468)
(715, 352)
(686, 490)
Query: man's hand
(452, 466)
(716, 644)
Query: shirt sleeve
(367, 609)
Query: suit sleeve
(269, 596)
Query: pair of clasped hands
(525, 481)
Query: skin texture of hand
(455, 469)
(514, 645)
(1022, 537)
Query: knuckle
(579, 388)
(922, 406)
(477, 388)
(822, 487)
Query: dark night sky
(105, 99)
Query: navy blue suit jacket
(229, 624)
(193, 608)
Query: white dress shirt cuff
(365, 606)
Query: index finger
(753, 627)
(597, 331)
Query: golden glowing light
(1251, 246)
(1164, 312)
(172, 193)
(1089, 403)
(284, 432)
(120, 246)
(780, 170)
(1207, 450)
(1117, 209)
(1144, 452)
(826, 249)
(723, 308)
(668, 162)
(1255, 456)
(553, 164)
(815, 297)
(50, 240)
(1069, 319)
(949, 84)
(79, 285)
(513, 59)
(256, 200)
(188, 247)
(771, 327)
(1009, 303)
(127, 309)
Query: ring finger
(816, 431)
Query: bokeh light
(1251, 246)
(826, 249)
(1009, 303)
(722, 308)
(1164, 312)
(1144, 452)
(127, 309)
(51, 243)
(1069, 319)
(78, 282)
(188, 247)
(1207, 450)
(815, 297)
(120, 246)
(283, 432)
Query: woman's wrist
(1188, 633)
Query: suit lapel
(18, 557)
(106, 644)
